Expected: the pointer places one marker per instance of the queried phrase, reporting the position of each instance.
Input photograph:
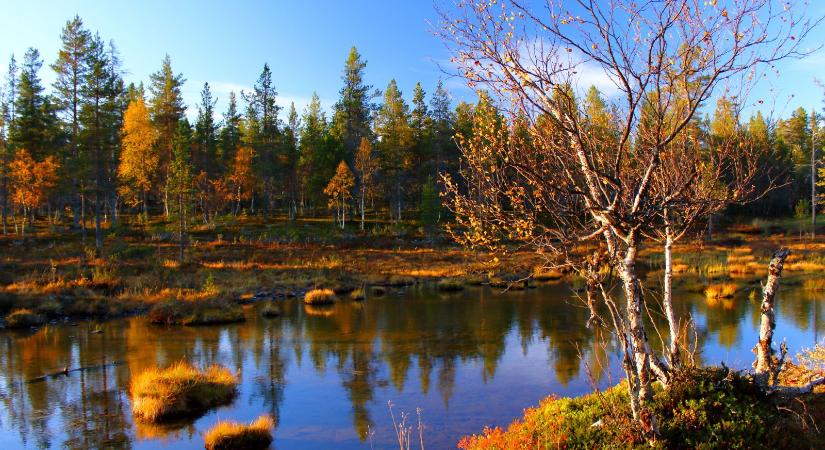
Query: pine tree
(34, 123)
(98, 117)
(230, 135)
(318, 155)
(7, 111)
(422, 150)
(263, 132)
(205, 140)
(353, 112)
(290, 156)
(70, 69)
(393, 128)
(180, 182)
(167, 109)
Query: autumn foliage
(32, 180)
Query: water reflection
(468, 359)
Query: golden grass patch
(180, 390)
(320, 297)
(228, 435)
(721, 290)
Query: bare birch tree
(587, 196)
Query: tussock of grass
(680, 268)
(814, 284)
(205, 312)
(450, 285)
(544, 274)
(227, 435)
(722, 290)
(319, 297)
(270, 309)
(24, 318)
(180, 390)
(357, 295)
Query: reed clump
(196, 312)
(24, 318)
(319, 297)
(721, 290)
(228, 435)
(180, 390)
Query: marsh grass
(180, 391)
(357, 295)
(814, 284)
(196, 312)
(541, 273)
(721, 290)
(228, 435)
(320, 297)
(24, 318)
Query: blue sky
(305, 43)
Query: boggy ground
(53, 274)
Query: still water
(466, 359)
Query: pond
(465, 360)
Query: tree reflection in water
(481, 354)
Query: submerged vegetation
(180, 390)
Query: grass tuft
(357, 295)
(180, 390)
(227, 435)
(196, 312)
(24, 318)
(319, 297)
(722, 290)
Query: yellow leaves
(139, 159)
(341, 184)
(31, 180)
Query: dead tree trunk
(764, 366)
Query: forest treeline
(93, 146)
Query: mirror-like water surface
(467, 359)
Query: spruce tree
(263, 132)
(180, 182)
(34, 123)
(230, 135)
(393, 127)
(167, 109)
(352, 113)
(205, 139)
